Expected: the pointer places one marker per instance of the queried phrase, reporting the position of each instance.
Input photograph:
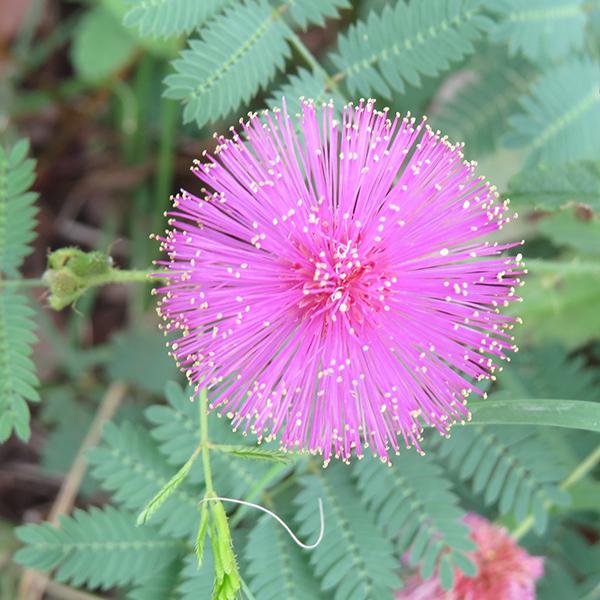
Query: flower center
(341, 283)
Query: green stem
(246, 590)
(578, 473)
(204, 442)
(582, 469)
(22, 283)
(312, 62)
(121, 276)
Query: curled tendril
(280, 520)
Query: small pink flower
(505, 571)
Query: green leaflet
(18, 381)
(165, 18)
(129, 465)
(160, 586)
(555, 125)
(314, 12)
(17, 206)
(378, 55)
(239, 53)
(355, 558)
(277, 566)
(176, 429)
(414, 504)
(167, 490)
(99, 548)
(197, 582)
(540, 29)
(511, 466)
(257, 453)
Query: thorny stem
(578, 473)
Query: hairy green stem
(578, 473)
(204, 442)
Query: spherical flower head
(504, 570)
(331, 281)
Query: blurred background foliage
(117, 98)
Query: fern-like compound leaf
(129, 465)
(314, 12)
(555, 187)
(512, 466)
(161, 586)
(17, 209)
(277, 567)
(165, 18)
(547, 371)
(379, 55)
(355, 558)
(415, 504)
(197, 582)
(479, 112)
(100, 548)
(18, 381)
(238, 54)
(559, 117)
(540, 29)
(176, 430)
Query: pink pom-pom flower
(331, 281)
(505, 571)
